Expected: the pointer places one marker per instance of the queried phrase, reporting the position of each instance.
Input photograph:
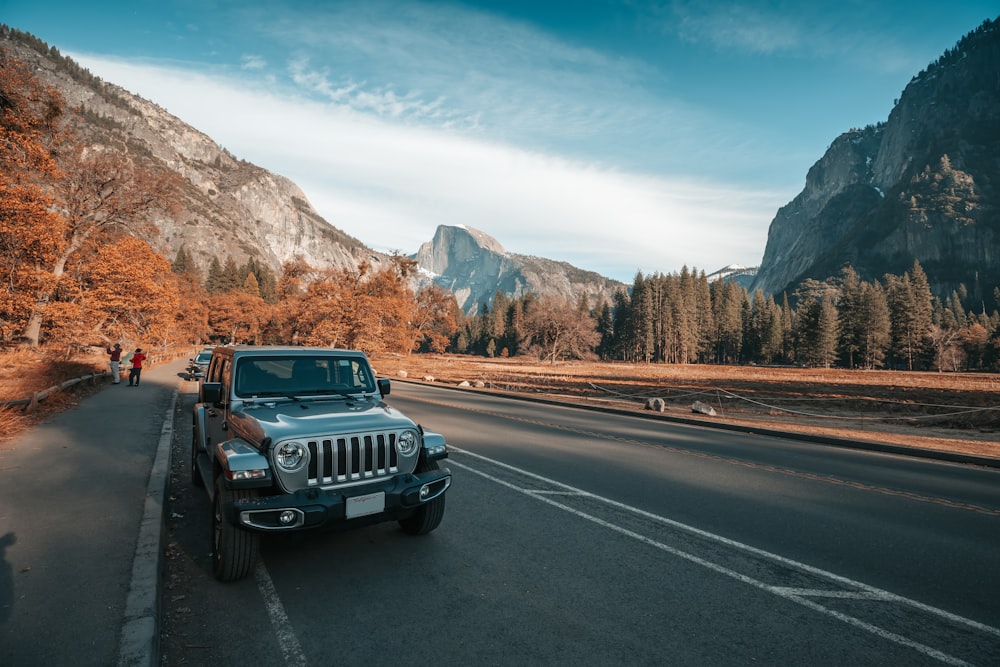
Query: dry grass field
(951, 411)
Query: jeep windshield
(293, 376)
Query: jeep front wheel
(429, 515)
(234, 550)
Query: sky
(617, 135)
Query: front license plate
(373, 503)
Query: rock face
(474, 267)
(923, 185)
(228, 207)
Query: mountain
(741, 275)
(474, 267)
(227, 208)
(924, 185)
(232, 208)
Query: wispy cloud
(848, 33)
(252, 62)
(391, 184)
(740, 27)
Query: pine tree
(875, 329)
(214, 281)
(851, 316)
(911, 310)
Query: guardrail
(31, 403)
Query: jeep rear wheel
(234, 550)
(429, 515)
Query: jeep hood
(281, 420)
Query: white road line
(795, 595)
(287, 641)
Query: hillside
(923, 185)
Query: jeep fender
(435, 447)
(241, 465)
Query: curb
(140, 640)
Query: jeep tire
(234, 550)
(429, 515)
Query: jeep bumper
(316, 508)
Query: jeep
(293, 438)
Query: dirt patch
(957, 412)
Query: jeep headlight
(406, 443)
(289, 456)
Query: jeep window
(278, 375)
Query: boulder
(657, 404)
(703, 408)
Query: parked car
(297, 439)
(198, 364)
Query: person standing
(116, 358)
(137, 358)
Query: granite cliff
(923, 185)
(474, 267)
(227, 207)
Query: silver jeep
(295, 438)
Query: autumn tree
(555, 329)
(435, 319)
(365, 308)
(238, 317)
(31, 234)
(100, 191)
(117, 291)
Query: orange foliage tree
(122, 291)
(435, 319)
(238, 317)
(31, 235)
(50, 211)
(365, 309)
(99, 193)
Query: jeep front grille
(352, 458)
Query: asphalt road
(576, 537)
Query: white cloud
(390, 184)
(252, 62)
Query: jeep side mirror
(211, 392)
(383, 386)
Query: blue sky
(619, 136)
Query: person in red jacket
(137, 358)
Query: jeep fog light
(406, 444)
(286, 517)
(290, 456)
